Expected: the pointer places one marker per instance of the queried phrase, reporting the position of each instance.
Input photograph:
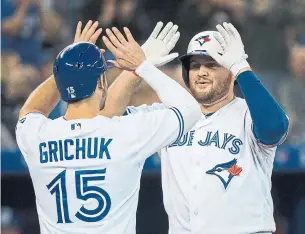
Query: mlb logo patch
(22, 120)
(72, 95)
(203, 39)
(76, 126)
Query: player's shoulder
(236, 109)
(30, 127)
(238, 105)
(144, 108)
(61, 127)
(31, 119)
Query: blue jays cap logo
(226, 171)
(203, 39)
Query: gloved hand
(234, 57)
(159, 45)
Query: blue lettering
(215, 139)
(95, 145)
(80, 148)
(207, 140)
(61, 153)
(235, 149)
(70, 149)
(227, 140)
(190, 142)
(173, 144)
(53, 151)
(43, 153)
(66, 142)
(183, 142)
(104, 148)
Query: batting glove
(159, 45)
(234, 57)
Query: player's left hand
(158, 46)
(234, 57)
(129, 55)
(90, 33)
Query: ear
(102, 84)
(233, 77)
(99, 83)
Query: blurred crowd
(34, 31)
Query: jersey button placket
(196, 177)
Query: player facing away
(216, 178)
(86, 167)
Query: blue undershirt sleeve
(270, 123)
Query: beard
(214, 94)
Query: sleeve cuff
(281, 141)
(239, 66)
(144, 68)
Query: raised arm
(46, 96)
(131, 57)
(270, 123)
(128, 86)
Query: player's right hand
(88, 34)
(160, 44)
(129, 55)
(234, 57)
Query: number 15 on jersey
(84, 191)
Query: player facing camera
(209, 82)
(225, 162)
(79, 72)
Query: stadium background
(273, 32)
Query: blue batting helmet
(77, 70)
(197, 46)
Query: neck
(83, 110)
(207, 109)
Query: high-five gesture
(88, 34)
(160, 44)
(234, 57)
(129, 55)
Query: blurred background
(34, 31)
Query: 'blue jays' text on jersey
(86, 173)
(216, 179)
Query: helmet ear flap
(185, 70)
(185, 75)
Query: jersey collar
(207, 119)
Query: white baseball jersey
(86, 173)
(217, 178)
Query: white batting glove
(234, 57)
(158, 45)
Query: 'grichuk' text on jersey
(217, 178)
(86, 173)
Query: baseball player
(216, 178)
(85, 167)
